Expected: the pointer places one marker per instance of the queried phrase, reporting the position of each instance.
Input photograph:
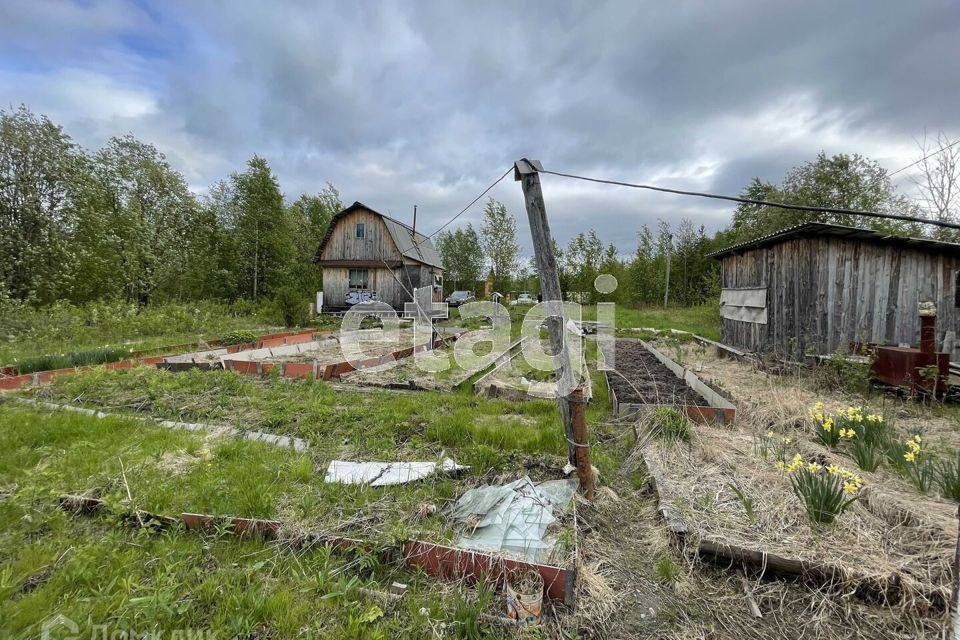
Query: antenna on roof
(414, 222)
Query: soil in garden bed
(641, 379)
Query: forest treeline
(120, 223)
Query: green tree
(583, 259)
(841, 181)
(499, 238)
(264, 235)
(42, 176)
(462, 256)
(151, 214)
(310, 216)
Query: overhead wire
(779, 205)
(926, 157)
(465, 209)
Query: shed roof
(410, 244)
(819, 229)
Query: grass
(703, 320)
(27, 332)
(98, 570)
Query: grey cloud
(399, 103)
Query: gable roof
(410, 244)
(819, 229)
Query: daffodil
(857, 480)
(780, 465)
(813, 467)
(910, 456)
(850, 488)
(842, 433)
(851, 433)
(833, 469)
(787, 441)
(769, 434)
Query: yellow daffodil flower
(813, 467)
(769, 434)
(833, 469)
(850, 488)
(910, 456)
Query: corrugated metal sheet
(813, 229)
(414, 246)
(418, 248)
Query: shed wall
(824, 293)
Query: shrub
(920, 468)
(242, 336)
(669, 423)
(826, 492)
(831, 428)
(868, 455)
(291, 305)
(947, 475)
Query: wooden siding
(375, 245)
(824, 293)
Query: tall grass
(26, 331)
(87, 357)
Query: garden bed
(405, 373)
(893, 545)
(644, 377)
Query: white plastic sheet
(512, 518)
(381, 474)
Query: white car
(523, 298)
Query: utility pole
(666, 288)
(526, 172)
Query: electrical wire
(464, 210)
(778, 205)
(929, 155)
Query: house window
(360, 230)
(359, 279)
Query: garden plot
(329, 349)
(513, 378)
(409, 373)
(892, 545)
(645, 377)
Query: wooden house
(819, 288)
(366, 255)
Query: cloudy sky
(426, 102)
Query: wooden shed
(818, 288)
(366, 255)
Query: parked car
(458, 298)
(523, 298)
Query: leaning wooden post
(954, 617)
(578, 413)
(526, 171)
